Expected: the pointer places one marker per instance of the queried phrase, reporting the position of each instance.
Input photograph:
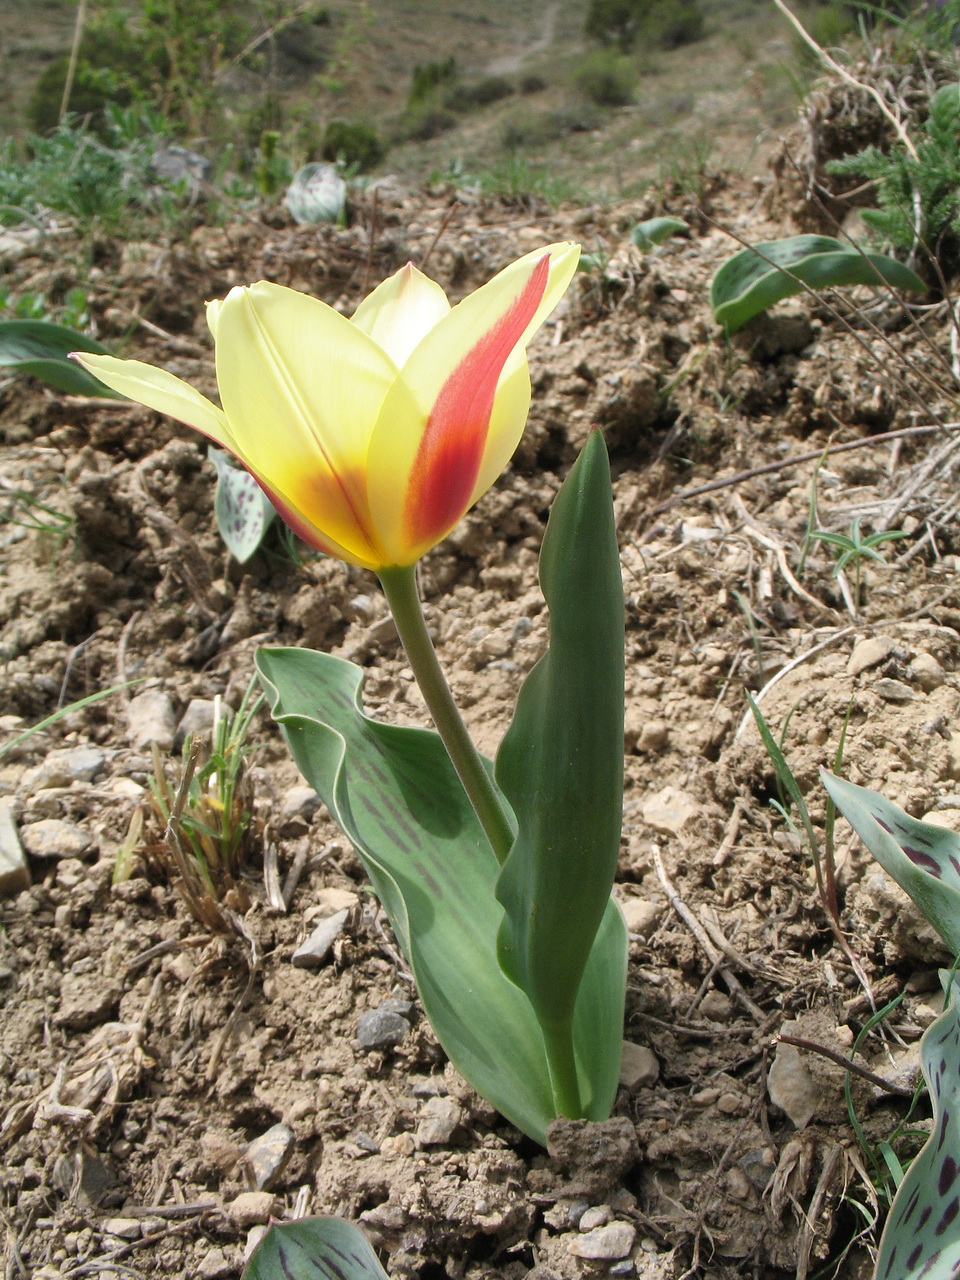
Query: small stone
(716, 1006)
(125, 1228)
(869, 653)
(381, 1029)
(14, 873)
(597, 1216)
(926, 672)
(790, 1085)
(730, 1104)
(251, 1207)
(269, 1154)
(331, 900)
(54, 838)
(70, 873)
(85, 1003)
(314, 950)
(759, 1167)
(151, 718)
(398, 1144)
(254, 1236)
(299, 802)
(439, 1119)
(893, 691)
(215, 1265)
(595, 1154)
(639, 1067)
(653, 736)
(641, 916)
(198, 719)
(604, 1244)
(60, 768)
(669, 811)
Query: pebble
(641, 916)
(893, 690)
(70, 873)
(54, 838)
(790, 1085)
(151, 718)
(213, 1265)
(269, 1154)
(759, 1167)
(197, 720)
(381, 1029)
(639, 1067)
(597, 1216)
(299, 802)
(125, 1228)
(439, 1118)
(330, 900)
(60, 768)
(716, 1006)
(14, 873)
(927, 672)
(869, 652)
(254, 1236)
(604, 1244)
(669, 811)
(251, 1207)
(315, 949)
(85, 1003)
(653, 736)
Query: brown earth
(143, 1055)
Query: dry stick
(371, 247)
(74, 55)
(801, 1042)
(713, 954)
(770, 468)
(436, 239)
(725, 847)
(751, 530)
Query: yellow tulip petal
(437, 454)
(401, 311)
(507, 423)
(159, 390)
(302, 388)
(212, 311)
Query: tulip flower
(372, 436)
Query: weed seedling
(854, 548)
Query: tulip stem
(400, 588)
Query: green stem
(558, 1046)
(400, 588)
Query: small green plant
(757, 277)
(28, 512)
(354, 143)
(196, 831)
(659, 24)
(607, 78)
(918, 190)
(853, 548)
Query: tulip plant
(372, 436)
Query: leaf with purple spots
(923, 859)
(314, 1249)
(921, 1240)
(243, 511)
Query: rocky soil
(166, 1087)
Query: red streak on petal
(448, 461)
(322, 493)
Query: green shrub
(428, 77)
(607, 78)
(110, 69)
(662, 24)
(355, 142)
(423, 122)
(465, 97)
(532, 84)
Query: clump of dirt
(166, 1090)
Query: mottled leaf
(645, 235)
(314, 1249)
(921, 1240)
(243, 511)
(755, 278)
(923, 859)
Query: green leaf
(41, 350)
(397, 797)
(923, 859)
(314, 1249)
(655, 230)
(756, 278)
(922, 1234)
(243, 511)
(560, 765)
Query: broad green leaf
(923, 859)
(560, 764)
(755, 278)
(921, 1239)
(314, 1249)
(655, 230)
(243, 511)
(395, 794)
(41, 350)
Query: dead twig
(800, 1042)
